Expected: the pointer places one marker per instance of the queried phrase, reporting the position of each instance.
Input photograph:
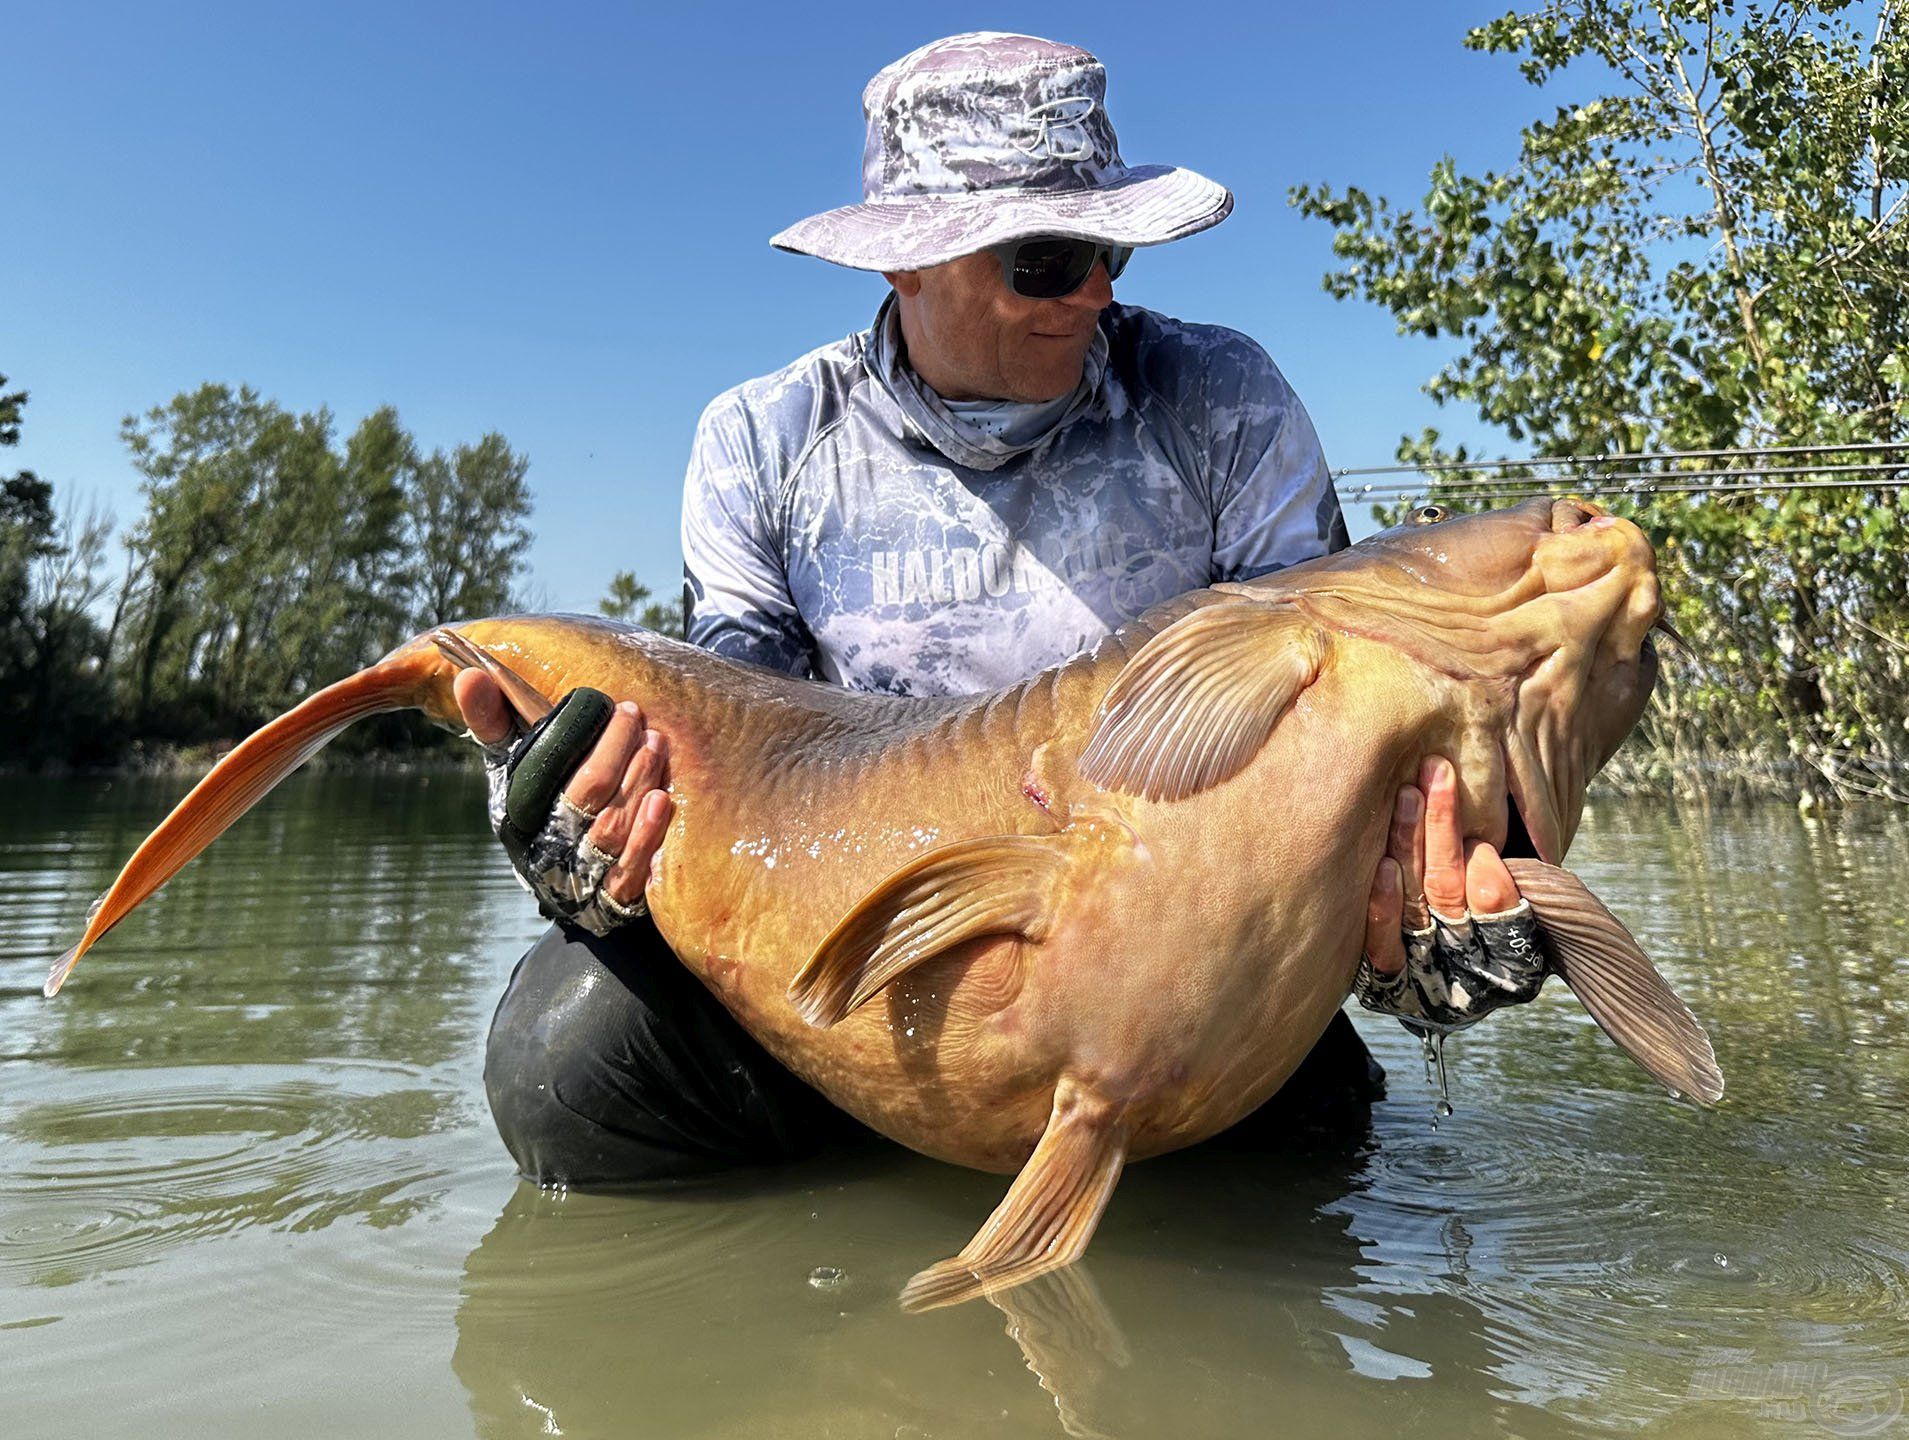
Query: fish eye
(1429, 515)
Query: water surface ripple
(246, 1171)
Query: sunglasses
(1049, 267)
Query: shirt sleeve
(735, 585)
(1274, 504)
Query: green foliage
(53, 697)
(26, 536)
(267, 561)
(629, 599)
(1705, 246)
(467, 531)
(271, 560)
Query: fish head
(1540, 614)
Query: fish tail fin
(1612, 977)
(243, 778)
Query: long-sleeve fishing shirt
(842, 520)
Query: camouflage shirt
(840, 521)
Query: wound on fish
(1037, 792)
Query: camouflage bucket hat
(983, 138)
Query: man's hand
(618, 786)
(1448, 936)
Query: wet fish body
(1104, 913)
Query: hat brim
(1148, 205)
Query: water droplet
(825, 1277)
(1444, 1078)
(1432, 1046)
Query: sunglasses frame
(1114, 257)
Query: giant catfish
(1103, 913)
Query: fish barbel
(1103, 913)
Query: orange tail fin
(245, 776)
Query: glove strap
(541, 763)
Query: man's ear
(907, 283)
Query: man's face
(972, 338)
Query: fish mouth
(1535, 821)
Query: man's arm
(1272, 496)
(610, 819)
(592, 857)
(737, 589)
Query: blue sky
(552, 221)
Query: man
(999, 472)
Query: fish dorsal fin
(1198, 701)
(997, 885)
(1606, 969)
(1050, 1211)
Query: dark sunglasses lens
(1049, 269)
(1117, 258)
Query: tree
(27, 536)
(629, 599)
(65, 674)
(271, 560)
(1706, 246)
(467, 531)
(26, 517)
(50, 645)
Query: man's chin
(1048, 383)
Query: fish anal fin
(1197, 702)
(1609, 973)
(995, 885)
(1050, 1211)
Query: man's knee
(608, 1063)
(546, 1063)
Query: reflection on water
(245, 1171)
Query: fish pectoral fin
(1606, 969)
(1049, 1212)
(997, 885)
(1200, 699)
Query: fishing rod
(1457, 490)
(1511, 462)
(1883, 476)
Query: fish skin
(1132, 971)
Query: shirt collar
(964, 443)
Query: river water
(248, 1184)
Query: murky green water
(248, 1185)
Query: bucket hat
(988, 137)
